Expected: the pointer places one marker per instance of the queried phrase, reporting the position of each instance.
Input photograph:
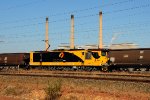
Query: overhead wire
(22, 5)
(79, 17)
(142, 25)
(127, 9)
(70, 12)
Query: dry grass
(40, 88)
(53, 90)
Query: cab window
(103, 53)
(95, 55)
(88, 55)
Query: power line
(91, 15)
(127, 9)
(87, 9)
(127, 16)
(115, 26)
(94, 29)
(27, 25)
(23, 5)
(93, 22)
(23, 20)
(65, 13)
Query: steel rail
(82, 73)
(93, 73)
(106, 74)
(80, 77)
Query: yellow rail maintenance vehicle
(73, 59)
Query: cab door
(88, 59)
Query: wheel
(105, 68)
(1, 68)
(27, 67)
(130, 69)
(143, 69)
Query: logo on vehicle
(61, 55)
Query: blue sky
(22, 23)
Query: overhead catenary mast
(46, 36)
(100, 31)
(72, 33)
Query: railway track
(82, 75)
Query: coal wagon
(130, 59)
(13, 59)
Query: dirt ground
(33, 88)
(79, 95)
